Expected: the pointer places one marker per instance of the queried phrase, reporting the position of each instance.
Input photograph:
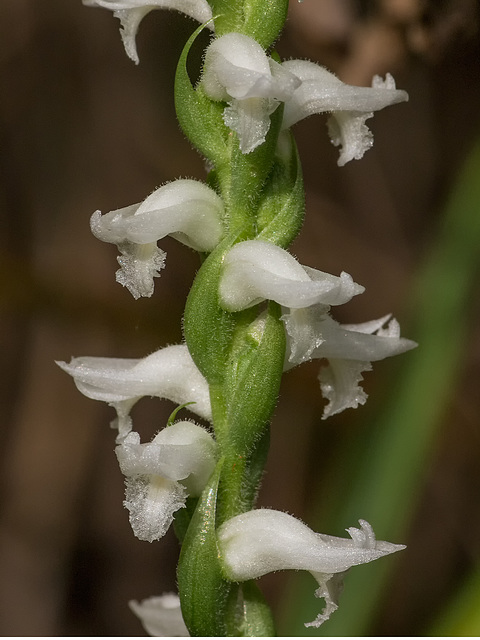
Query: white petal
(161, 616)
(152, 501)
(168, 373)
(188, 210)
(183, 451)
(236, 66)
(356, 342)
(131, 12)
(255, 270)
(303, 336)
(321, 91)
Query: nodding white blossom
(238, 71)
(161, 474)
(168, 373)
(261, 541)
(161, 616)
(321, 91)
(131, 13)
(256, 270)
(187, 210)
(349, 349)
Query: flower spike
(168, 373)
(321, 91)
(131, 13)
(261, 541)
(187, 210)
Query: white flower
(312, 333)
(238, 71)
(168, 373)
(161, 616)
(161, 474)
(260, 541)
(322, 91)
(131, 12)
(256, 270)
(187, 210)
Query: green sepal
(200, 118)
(282, 208)
(257, 354)
(262, 21)
(248, 615)
(203, 590)
(207, 328)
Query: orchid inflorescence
(253, 312)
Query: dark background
(82, 128)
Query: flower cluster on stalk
(250, 86)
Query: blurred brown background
(81, 129)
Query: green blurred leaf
(381, 475)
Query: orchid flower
(168, 373)
(255, 270)
(161, 616)
(261, 541)
(321, 91)
(161, 474)
(238, 71)
(349, 349)
(131, 13)
(187, 210)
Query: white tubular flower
(187, 210)
(322, 91)
(131, 13)
(263, 540)
(161, 474)
(349, 349)
(256, 270)
(169, 373)
(161, 616)
(238, 71)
